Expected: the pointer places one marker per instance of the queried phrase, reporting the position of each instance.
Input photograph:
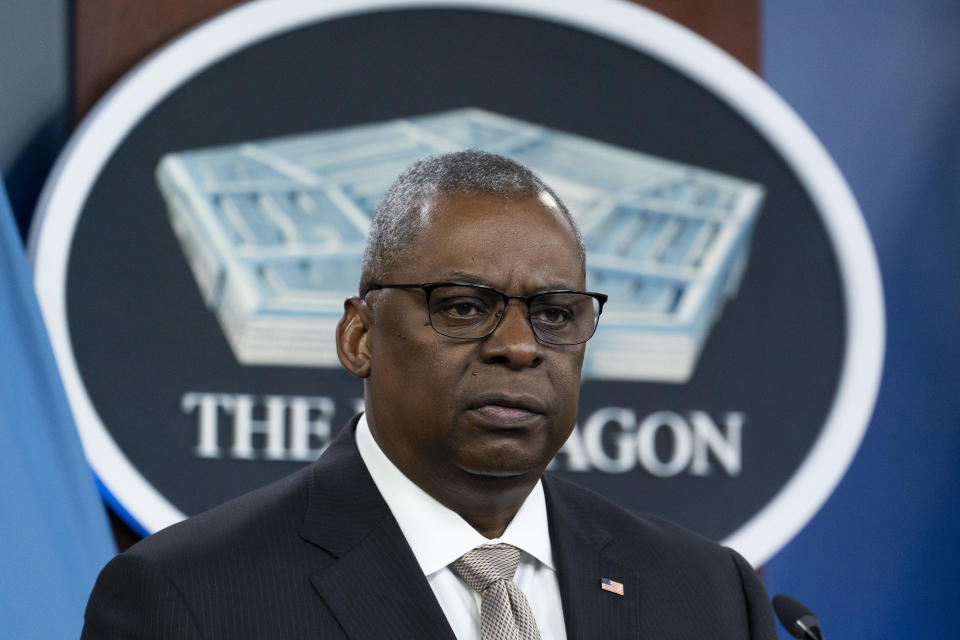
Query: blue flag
(54, 534)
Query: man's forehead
(519, 244)
(549, 201)
(463, 208)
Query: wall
(34, 96)
(878, 82)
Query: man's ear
(353, 332)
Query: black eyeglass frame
(428, 288)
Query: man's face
(448, 410)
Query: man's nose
(513, 342)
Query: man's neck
(489, 504)
(486, 502)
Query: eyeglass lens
(474, 312)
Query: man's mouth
(508, 409)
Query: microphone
(797, 618)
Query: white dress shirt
(438, 536)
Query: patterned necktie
(504, 611)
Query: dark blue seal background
(143, 337)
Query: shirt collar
(437, 535)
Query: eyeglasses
(474, 311)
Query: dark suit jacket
(319, 555)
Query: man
(430, 516)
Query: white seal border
(128, 101)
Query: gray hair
(398, 219)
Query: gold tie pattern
(504, 611)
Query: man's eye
(552, 315)
(462, 308)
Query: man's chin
(504, 468)
(518, 455)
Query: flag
(612, 586)
(54, 533)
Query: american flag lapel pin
(612, 586)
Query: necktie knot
(504, 611)
(485, 565)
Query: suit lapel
(378, 590)
(375, 587)
(589, 611)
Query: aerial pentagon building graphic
(274, 232)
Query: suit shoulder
(697, 582)
(658, 535)
(235, 571)
(243, 524)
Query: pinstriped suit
(318, 555)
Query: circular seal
(195, 242)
